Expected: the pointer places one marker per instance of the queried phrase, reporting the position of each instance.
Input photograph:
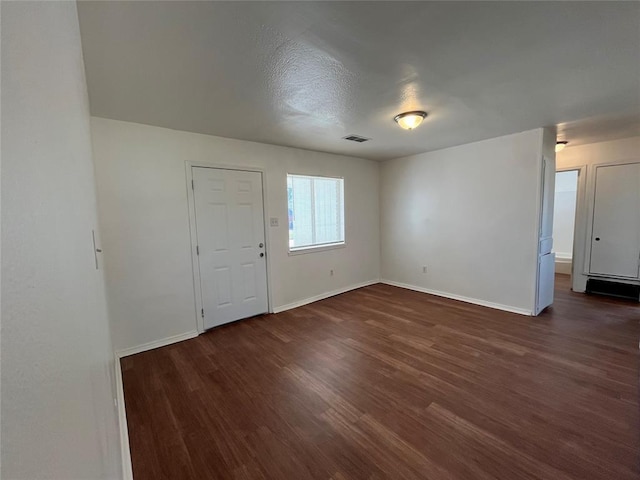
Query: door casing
(578, 227)
(195, 264)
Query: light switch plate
(273, 221)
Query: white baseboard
(125, 452)
(156, 344)
(475, 301)
(564, 264)
(322, 296)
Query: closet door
(615, 238)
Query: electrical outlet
(331, 272)
(424, 269)
(273, 221)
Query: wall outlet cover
(273, 221)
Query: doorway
(230, 244)
(564, 219)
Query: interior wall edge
(125, 449)
(59, 418)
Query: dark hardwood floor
(386, 383)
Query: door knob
(261, 254)
(261, 245)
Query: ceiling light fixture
(560, 145)
(410, 120)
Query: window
(316, 211)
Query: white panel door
(545, 275)
(231, 244)
(545, 235)
(615, 239)
(546, 283)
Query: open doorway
(564, 219)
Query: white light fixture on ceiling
(410, 120)
(560, 145)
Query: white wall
(142, 197)
(470, 214)
(588, 156)
(58, 417)
(564, 213)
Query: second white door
(615, 240)
(231, 244)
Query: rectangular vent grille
(613, 289)
(356, 138)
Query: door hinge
(197, 250)
(202, 312)
(193, 186)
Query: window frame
(323, 246)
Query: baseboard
(125, 452)
(563, 265)
(322, 296)
(156, 344)
(475, 301)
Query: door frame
(195, 264)
(581, 191)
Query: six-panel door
(231, 243)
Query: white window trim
(326, 246)
(316, 248)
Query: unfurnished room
(320, 240)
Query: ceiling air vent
(356, 138)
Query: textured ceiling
(305, 74)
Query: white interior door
(231, 244)
(615, 239)
(546, 259)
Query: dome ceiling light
(410, 120)
(560, 145)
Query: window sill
(318, 248)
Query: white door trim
(195, 264)
(579, 226)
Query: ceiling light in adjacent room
(560, 145)
(410, 120)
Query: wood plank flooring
(386, 383)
